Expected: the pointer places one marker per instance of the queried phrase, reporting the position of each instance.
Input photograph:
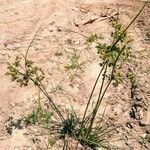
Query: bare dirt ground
(63, 29)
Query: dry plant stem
(114, 66)
(109, 17)
(69, 30)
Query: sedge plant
(86, 130)
(111, 55)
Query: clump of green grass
(94, 38)
(97, 137)
(95, 140)
(69, 126)
(39, 116)
(73, 62)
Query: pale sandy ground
(20, 19)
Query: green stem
(97, 103)
(52, 103)
(93, 89)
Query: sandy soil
(62, 25)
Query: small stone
(144, 135)
(103, 15)
(145, 117)
(77, 42)
(98, 148)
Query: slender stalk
(43, 89)
(101, 89)
(52, 104)
(93, 89)
(97, 103)
(31, 44)
(118, 39)
(65, 145)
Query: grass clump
(94, 38)
(39, 116)
(73, 62)
(69, 126)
